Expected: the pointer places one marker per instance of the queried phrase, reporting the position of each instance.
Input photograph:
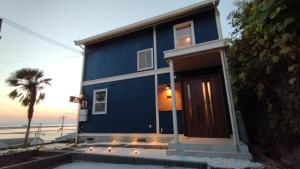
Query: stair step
(212, 154)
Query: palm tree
(28, 84)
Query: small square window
(145, 59)
(184, 35)
(100, 101)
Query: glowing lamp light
(109, 149)
(154, 142)
(114, 141)
(188, 39)
(92, 149)
(133, 142)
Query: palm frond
(25, 102)
(40, 98)
(12, 81)
(39, 74)
(28, 82)
(27, 73)
(45, 81)
(14, 94)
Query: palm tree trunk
(30, 113)
(27, 133)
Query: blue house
(163, 79)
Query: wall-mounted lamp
(168, 88)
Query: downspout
(81, 82)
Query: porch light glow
(169, 93)
(188, 39)
(109, 149)
(114, 141)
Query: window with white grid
(145, 59)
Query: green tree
(264, 64)
(28, 84)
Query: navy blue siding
(116, 56)
(205, 29)
(131, 103)
(130, 109)
(166, 122)
(165, 117)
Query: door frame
(183, 99)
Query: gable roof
(147, 22)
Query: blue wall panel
(166, 122)
(205, 29)
(130, 109)
(116, 56)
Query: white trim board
(200, 47)
(155, 80)
(127, 76)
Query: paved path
(91, 165)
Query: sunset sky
(65, 21)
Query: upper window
(145, 59)
(100, 101)
(184, 34)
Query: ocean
(48, 133)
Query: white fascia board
(127, 76)
(200, 47)
(147, 22)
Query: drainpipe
(81, 82)
(173, 94)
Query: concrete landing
(209, 147)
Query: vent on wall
(145, 59)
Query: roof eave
(146, 22)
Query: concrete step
(212, 154)
(210, 147)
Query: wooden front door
(205, 111)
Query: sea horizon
(35, 125)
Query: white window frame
(191, 22)
(94, 101)
(138, 59)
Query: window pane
(100, 107)
(100, 96)
(145, 59)
(184, 36)
(183, 31)
(184, 41)
(148, 60)
(141, 61)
